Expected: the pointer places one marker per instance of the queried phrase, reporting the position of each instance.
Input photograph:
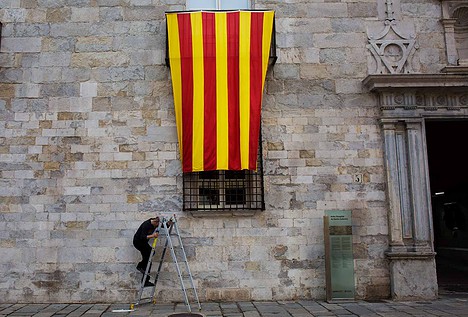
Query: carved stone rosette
(392, 50)
(392, 47)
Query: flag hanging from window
(218, 66)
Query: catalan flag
(218, 66)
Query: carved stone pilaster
(419, 180)
(411, 247)
(393, 188)
(407, 183)
(410, 230)
(450, 44)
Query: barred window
(217, 4)
(224, 190)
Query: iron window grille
(224, 190)
(218, 4)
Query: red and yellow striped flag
(218, 66)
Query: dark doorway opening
(447, 148)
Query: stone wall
(88, 150)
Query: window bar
(260, 169)
(225, 190)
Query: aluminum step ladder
(173, 241)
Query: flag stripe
(185, 36)
(266, 41)
(255, 86)
(174, 52)
(233, 89)
(221, 93)
(209, 55)
(198, 92)
(244, 87)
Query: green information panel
(339, 255)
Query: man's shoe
(149, 284)
(141, 270)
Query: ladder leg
(160, 262)
(174, 257)
(146, 275)
(184, 258)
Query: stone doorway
(447, 151)
(408, 102)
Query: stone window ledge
(227, 213)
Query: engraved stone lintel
(430, 101)
(449, 80)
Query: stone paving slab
(453, 306)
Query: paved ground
(447, 305)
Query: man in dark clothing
(145, 232)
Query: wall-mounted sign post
(339, 262)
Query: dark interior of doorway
(447, 148)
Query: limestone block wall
(88, 150)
